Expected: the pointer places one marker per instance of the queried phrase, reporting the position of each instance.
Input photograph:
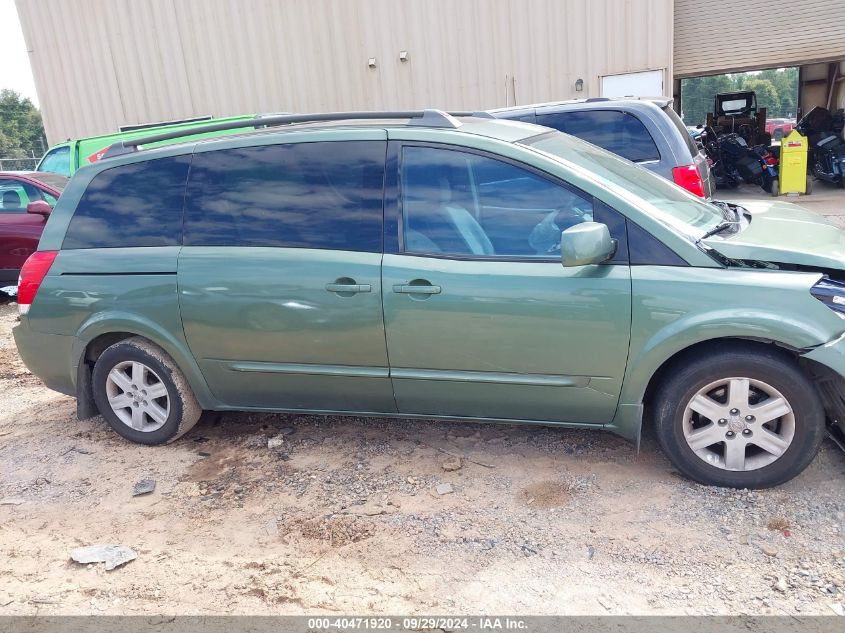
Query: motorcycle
(733, 161)
(823, 130)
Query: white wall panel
(99, 64)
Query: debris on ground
(452, 464)
(778, 524)
(528, 549)
(11, 291)
(112, 555)
(444, 489)
(144, 487)
(9, 501)
(768, 549)
(275, 443)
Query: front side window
(459, 203)
(323, 195)
(132, 205)
(16, 195)
(613, 130)
(57, 161)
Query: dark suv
(645, 131)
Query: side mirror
(586, 243)
(39, 207)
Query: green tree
(21, 129)
(697, 96)
(767, 94)
(777, 91)
(785, 81)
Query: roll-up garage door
(720, 37)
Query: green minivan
(434, 265)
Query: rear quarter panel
(90, 292)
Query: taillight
(689, 178)
(34, 270)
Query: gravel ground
(343, 515)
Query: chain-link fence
(18, 164)
(25, 160)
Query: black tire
(183, 409)
(778, 370)
(774, 188)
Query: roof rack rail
(423, 118)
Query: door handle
(414, 289)
(349, 288)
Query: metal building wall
(102, 63)
(713, 38)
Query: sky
(15, 72)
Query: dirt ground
(344, 517)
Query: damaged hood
(784, 233)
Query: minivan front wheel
(142, 394)
(744, 418)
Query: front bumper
(48, 356)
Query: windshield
(56, 161)
(734, 105)
(664, 200)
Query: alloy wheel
(738, 424)
(137, 396)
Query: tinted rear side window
(132, 205)
(325, 195)
(617, 132)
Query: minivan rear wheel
(141, 393)
(742, 418)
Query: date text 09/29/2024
(418, 623)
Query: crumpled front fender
(828, 369)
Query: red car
(779, 128)
(26, 200)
